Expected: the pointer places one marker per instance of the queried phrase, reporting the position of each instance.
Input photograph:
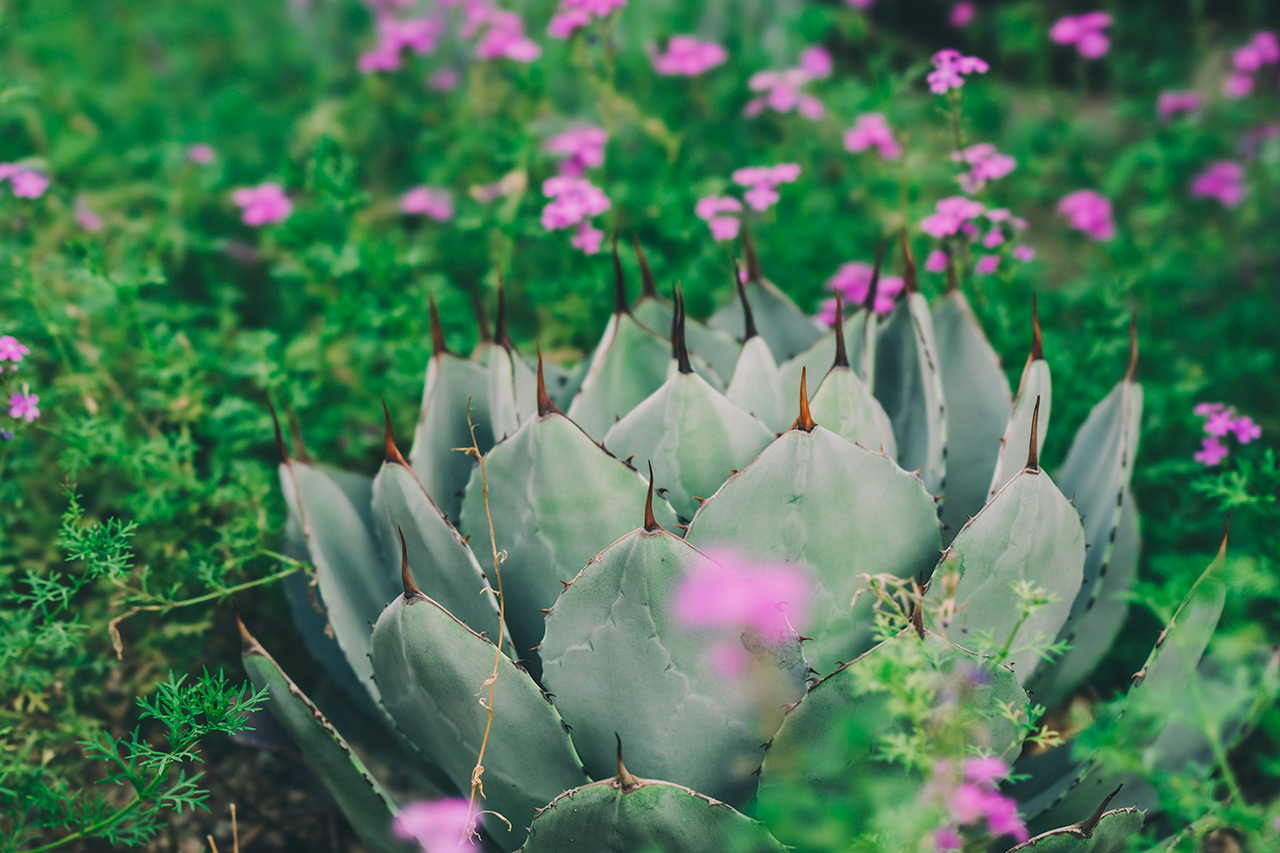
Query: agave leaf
(434, 673)
(1096, 474)
(619, 662)
(1108, 832)
(717, 349)
(785, 328)
(830, 748)
(978, 408)
(835, 510)
(629, 364)
(909, 386)
(693, 436)
(646, 815)
(1028, 538)
(512, 395)
(845, 405)
(364, 802)
(557, 499)
(454, 385)
(335, 511)
(1035, 390)
(445, 567)
(756, 386)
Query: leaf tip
(411, 590)
(437, 329)
(619, 282)
(545, 405)
(392, 454)
(1033, 449)
(625, 780)
(804, 422)
(679, 345)
(748, 319)
(842, 355)
(1037, 343)
(650, 522)
(648, 288)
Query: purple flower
(420, 35)
(85, 216)
(870, 130)
(22, 405)
(987, 264)
(853, 282)
(1170, 104)
(1224, 181)
(200, 153)
(1237, 86)
(987, 770)
(1260, 51)
(575, 14)
(1023, 253)
(1245, 429)
(1084, 31)
(962, 14)
(949, 68)
(782, 89)
(685, 56)
(816, 61)
(263, 204)
(1211, 451)
(936, 261)
(582, 148)
(11, 350)
(950, 215)
(1208, 408)
(947, 840)
(501, 32)
(587, 238)
(432, 202)
(1089, 212)
(441, 826)
(572, 200)
(986, 164)
(444, 80)
(26, 183)
(726, 591)
(721, 214)
(762, 183)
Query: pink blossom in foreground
(1224, 181)
(1171, 104)
(722, 214)
(936, 261)
(962, 14)
(973, 800)
(580, 147)
(12, 351)
(1246, 430)
(1083, 31)
(573, 15)
(22, 405)
(432, 202)
(201, 153)
(726, 591)
(762, 183)
(1208, 408)
(439, 826)
(853, 282)
(950, 68)
(947, 840)
(816, 61)
(85, 216)
(986, 164)
(870, 130)
(1089, 212)
(950, 216)
(1211, 452)
(1237, 86)
(988, 770)
(1221, 421)
(26, 183)
(263, 204)
(685, 56)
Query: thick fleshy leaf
(620, 663)
(557, 499)
(629, 364)
(335, 511)
(441, 563)
(693, 436)
(718, 349)
(836, 511)
(512, 392)
(647, 816)
(845, 405)
(364, 802)
(434, 673)
(787, 330)
(756, 386)
(831, 746)
(452, 384)
(1096, 476)
(909, 386)
(1034, 388)
(1026, 543)
(1110, 832)
(978, 408)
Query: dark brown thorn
(909, 282)
(874, 287)
(1133, 348)
(680, 348)
(544, 610)
(500, 335)
(281, 447)
(625, 779)
(805, 422)
(482, 316)
(566, 584)
(437, 330)
(754, 273)
(648, 289)
(619, 283)
(917, 617)
(411, 590)
(650, 523)
(545, 406)
(842, 356)
(1033, 452)
(392, 455)
(1091, 823)
(748, 319)
(248, 643)
(1037, 344)
(295, 432)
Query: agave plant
(545, 639)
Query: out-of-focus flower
(1090, 212)
(1084, 31)
(962, 14)
(816, 61)
(501, 33)
(1245, 429)
(433, 202)
(1260, 51)
(986, 164)
(1224, 181)
(782, 89)
(1254, 138)
(853, 282)
(1170, 104)
(685, 56)
(419, 35)
(572, 15)
(987, 264)
(444, 80)
(440, 826)
(1023, 253)
(26, 183)
(987, 770)
(721, 213)
(1221, 421)
(950, 215)
(22, 406)
(580, 147)
(947, 840)
(950, 68)
(1211, 451)
(12, 351)
(1208, 408)
(726, 591)
(85, 216)
(573, 202)
(587, 238)
(263, 204)
(870, 130)
(510, 184)
(201, 153)
(762, 183)
(936, 261)
(861, 4)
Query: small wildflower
(762, 183)
(782, 89)
(26, 183)
(936, 261)
(1219, 423)
(444, 80)
(950, 68)
(1260, 51)
(1023, 253)
(441, 826)
(573, 15)
(1224, 181)
(1090, 212)
(263, 204)
(988, 770)
(432, 202)
(580, 147)
(947, 840)
(950, 215)
(573, 202)
(85, 216)
(1171, 104)
(1084, 31)
(200, 153)
(986, 164)
(853, 282)
(962, 14)
(587, 238)
(1245, 429)
(1211, 451)
(22, 405)
(685, 56)
(870, 130)
(11, 350)
(816, 61)
(721, 215)
(987, 264)
(725, 591)
(1208, 408)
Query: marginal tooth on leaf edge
(281, 447)
(295, 432)
(1091, 823)
(545, 406)
(909, 281)
(804, 422)
(249, 644)
(874, 287)
(754, 273)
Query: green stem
(92, 828)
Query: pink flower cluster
(762, 183)
(1171, 104)
(1262, 50)
(1084, 31)
(853, 282)
(950, 68)
(200, 153)
(22, 405)
(581, 148)
(420, 35)
(782, 89)
(950, 215)
(870, 130)
(501, 33)
(263, 204)
(85, 216)
(725, 591)
(11, 351)
(1220, 421)
(974, 800)
(573, 202)
(1090, 212)
(722, 214)
(685, 56)
(26, 183)
(575, 14)
(1224, 181)
(985, 164)
(438, 826)
(957, 216)
(432, 202)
